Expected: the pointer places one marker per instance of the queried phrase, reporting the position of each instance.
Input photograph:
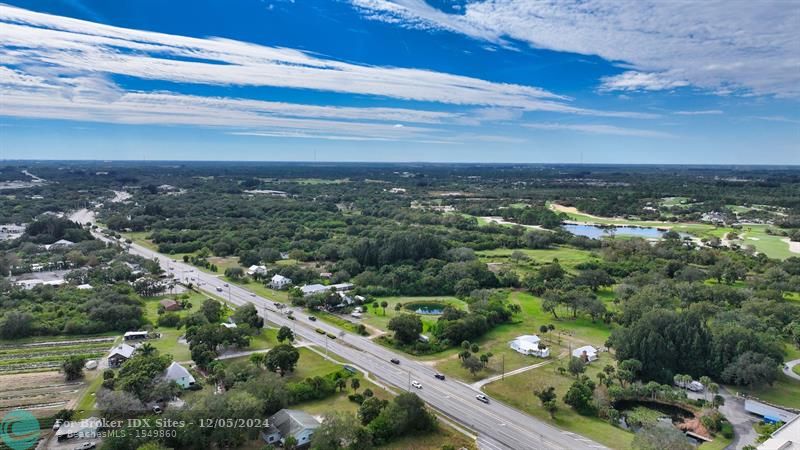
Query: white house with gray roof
(177, 373)
(290, 422)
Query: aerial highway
(498, 426)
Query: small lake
(598, 232)
(426, 308)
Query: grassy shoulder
(518, 391)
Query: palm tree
(147, 349)
(355, 384)
(384, 304)
(705, 381)
(341, 384)
(714, 389)
(258, 359)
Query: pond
(426, 308)
(635, 414)
(597, 232)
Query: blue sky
(402, 80)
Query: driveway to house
(787, 369)
(742, 421)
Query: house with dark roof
(290, 422)
(170, 304)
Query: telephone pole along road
(498, 426)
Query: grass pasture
(568, 332)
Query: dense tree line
(49, 311)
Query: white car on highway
(416, 384)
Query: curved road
(498, 426)
(787, 369)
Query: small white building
(587, 353)
(257, 270)
(59, 244)
(529, 345)
(313, 289)
(290, 422)
(85, 287)
(135, 335)
(279, 282)
(29, 284)
(229, 325)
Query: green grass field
(263, 291)
(769, 244)
(568, 257)
(518, 391)
(785, 391)
(574, 332)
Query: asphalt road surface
(498, 426)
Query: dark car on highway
(439, 376)
(395, 361)
(312, 318)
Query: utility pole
(326, 346)
(503, 369)
(409, 381)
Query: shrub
(727, 430)
(356, 398)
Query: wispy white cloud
(722, 46)
(600, 129)
(640, 81)
(783, 119)
(61, 68)
(702, 112)
(59, 43)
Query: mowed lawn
(768, 244)
(568, 333)
(261, 290)
(785, 391)
(568, 257)
(518, 391)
